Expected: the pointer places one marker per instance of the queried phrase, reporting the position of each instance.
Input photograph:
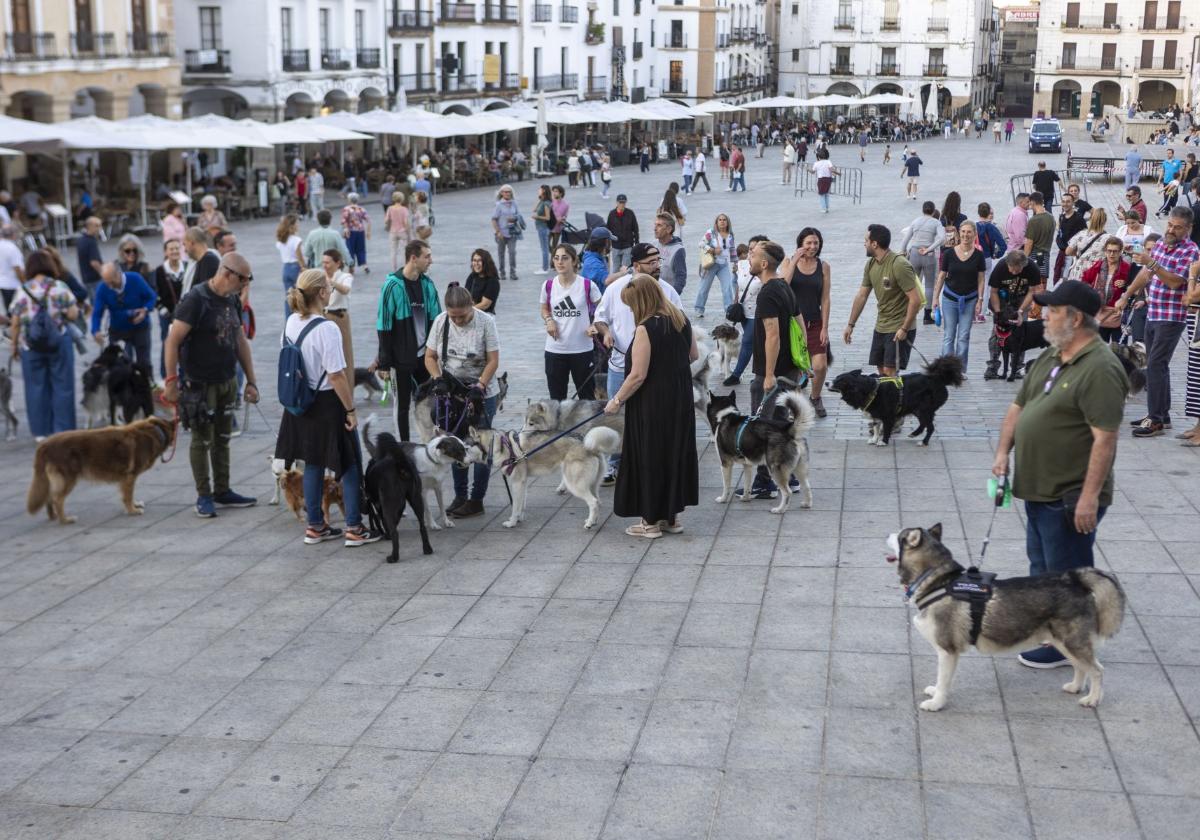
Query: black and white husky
(780, 445)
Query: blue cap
(601, 232)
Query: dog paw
(434, 525)
(930, 690)
(67, 520)
(933, 704)
(806, 504)
(779, 509)
(137, 510)
(1073, 687)
(1090, 701)
(722, 499)
(448, 522)
(510, 523)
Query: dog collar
(162, 434)
(911, 589)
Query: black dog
(391, 483)
(1013, 337)
(886, 400)
(127, 386)
(454, 406)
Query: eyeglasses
(1050, 379)
(129, 250)
(1112, 250)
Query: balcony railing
(1164, 23)
(637, 50)
(721, 86)
(935, 69)
(460, 83)
(1088, 65)
(334, 60)
(556, 81)
(1093, 22)
(93, 44)
(761, 39)
(1161, 67)
(543, 13)
(369, 59)
(207, 61)
(888, 69)
(939, 25)
(499, 13)
(843, 22)
(841, 69)
(596, 86)
(414, 82)
(409, 20)
(677, 86)
(568, 14)
(637, 94)
(30, 46)
(149, 44)
(890, 25)
(458, 12)
(295, 61)
(508, 81)
(722, 40)
(675, 41)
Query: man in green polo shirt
(1039, 235)
(898, 296)
(1063, 425)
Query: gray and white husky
(1073, 610)
(580, 457)
(560, 415)
(433, 461)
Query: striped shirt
(1162, 302)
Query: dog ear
(935, 531)
(912, 537)
(856, 372)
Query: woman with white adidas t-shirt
(568, 302)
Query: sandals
(668, 528)
(649, 532)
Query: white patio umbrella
(775, 102)
(6, 152)
(931, 104)
(716, 106)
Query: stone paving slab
(756, 677)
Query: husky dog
(470, 401)
(366, 379)
(1133, 358)
(729, 344)
(887, 400)
(581, 459)
(432, 461)
(1073, 610)
(10, 418)
(702, 369)
(752, 441)
(96, 401)
(560, 415)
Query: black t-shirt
(1044, 181)
(1082, 207)
(1068, 227)
(1014, 287)
(209, 353)
(775, 300)
(962, 276)
(483, 287)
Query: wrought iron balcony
(841, 68)
(93, 44)
(149, 44)
(596, 86)
(557, 81)
(30, 46)
(1163, 23)
(677, 86)
(369, 59)
(938, 69)
(890, 25)
(414, 82)
(843, 22)
(888, 69)
(409, 20)
(458, 12)
(1160, 66)
(295, 61)
(460, 83)
(1076, 64)
(939, 25)
(334, 60)
(499, 13)
(213, 62)
(675, 41)
(508, 81)
(1090, 22)
(568, 14)
(543, 13)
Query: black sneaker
(610, 478)
(1044, 657)
(928, 318)
(794, 484)
(761, 492)
(469, 508)
(1146, 421)
(991, 374)
(312, 535)
(730, 381)
(358, 535)
(1149, 429)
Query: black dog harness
(973, 586)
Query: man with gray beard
(1063, 427)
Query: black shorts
(884, 346)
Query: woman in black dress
(659, 475)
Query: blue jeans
(482, 472)
(290, 272)
(543, 233)
(314, 491)
(687, 183)
(1051, 541)
(746, 351)
(50, 389)
(719, 269)
(356, 244)
(739, 180)
(822, 200)
(616, 378)
(957, 317)
(622, 258)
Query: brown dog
(291, 483)
(117, 455)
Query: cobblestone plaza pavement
(165, 676)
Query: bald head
(112, 275)
(92, 225)
(233, 275)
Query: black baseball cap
(1072, 293)
(621, 197)
(642, 251)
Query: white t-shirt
(322, 349)
(619, 317)
(744, 279)
(10, 260)
(823, 168)
(1138, 238)
(287, 250)
(569, 310)
(466, 347)
(337, 300)
(699, 162)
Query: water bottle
(937, 316)
(994, 489)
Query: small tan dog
(116, 455)
(291, 483)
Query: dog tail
(602, 441)
(1109, 597)
(39, 488)
(946, 370)
(805, 414)
(365, 431)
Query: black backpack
(43, 335)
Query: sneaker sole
(355, 543)
(206, 515)
(235, 504)
(318, 540)
(1043, 666)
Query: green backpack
(798, 344)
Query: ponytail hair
(305, 297)
(457, 297)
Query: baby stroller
(572, 235)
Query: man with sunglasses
(1133, 194)
(203, 348)
(1062, 428)
(128, 300)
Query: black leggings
(577, 366)
(407, 380)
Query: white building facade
(935, 50)
(1092, 54)
(713, 48)
(278, 59)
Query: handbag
(1109, 317)
(706, 259)
(735, 313)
